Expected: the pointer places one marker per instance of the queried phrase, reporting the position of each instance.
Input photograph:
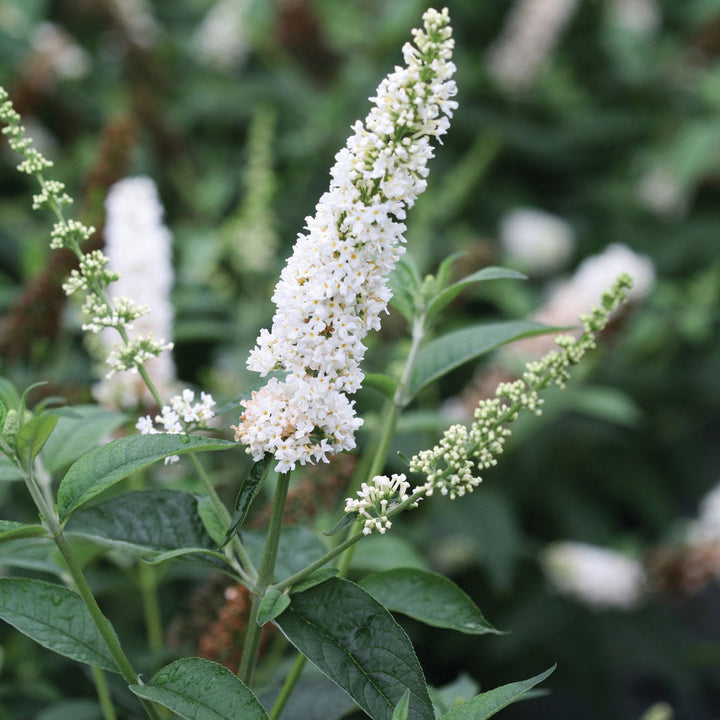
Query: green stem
(267, 568)
(288, 686)
(147, 579)
(249, 572)
(324, 560)
(101, 622)
(103, 694)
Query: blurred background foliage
(615, 128)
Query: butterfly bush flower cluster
(181, 415)
(451, 466)
(375, 499)
(334, 287)
(94, 276)
(138, 249)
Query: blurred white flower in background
(139, 248)
(596, 576)
(706, 527)
(659, 192)
(535, 241)
(531, 32)
(138, 21)
(641, 17)
(59, 51)
(221, 39)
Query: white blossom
(706, 527)
(640, 17)
(596, 576)
(61, 53)
(138, 21)
(535, 241)
(334, 287)
(180, 415)
(376, 499)
(138, 250)
(531, 31)
(221, 39)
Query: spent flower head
(334, 287)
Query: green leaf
(77, 432)
(30, 554)
(100, 468)
(383, 552)
(71, 709)
(200, 553)
(429, 598)
(298, 548)
(487, 704)
(8, 394)
(314, 698)
(158, 520)
(402, 708)
(211, 520)
(319, 576)
(32, 436)
(250, 487)
(12, 530)
(448, 696)
(446, 296)
(346, 520)
(382, 383)
(355, 641)
(198, 689)
(449, 351)
(54, 617)
(405, 284)
(23, 399)
(272, 605)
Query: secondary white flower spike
(334, 287)
(138, 246)
(596, 576)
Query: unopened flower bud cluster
(376, 499)
(334, 287)
(93, 278)
(450, 467)
(181, 415)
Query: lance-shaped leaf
(250, 487)
(100, 468)
(272, 605)
(449, 351)
(32, 436)
(198, 689)
(55, 617)
(157, 520)
(382, 383)
(355, 641)
(79, 429)
(402, 708)
(429, 598)
(10, 530)
(488, 703)
(446, 296)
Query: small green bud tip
(11, 426)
